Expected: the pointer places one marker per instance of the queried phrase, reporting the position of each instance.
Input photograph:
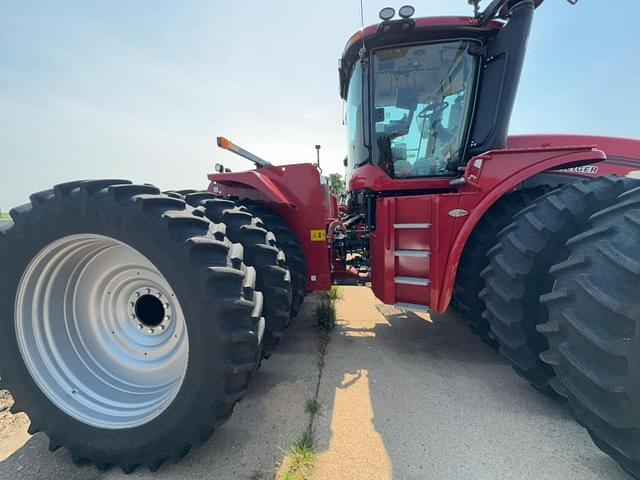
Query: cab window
(421, 106)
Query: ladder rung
(423, 282)
(412, 307)
(405, 226)
(412, 253)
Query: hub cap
(101, 331)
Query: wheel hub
(150, 310)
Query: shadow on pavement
(414, 396)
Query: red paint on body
(295, 193)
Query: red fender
(258, 180)
(500, 172)
(299, 196)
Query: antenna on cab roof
(476, 7)
(363, 49)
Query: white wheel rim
(101, 331)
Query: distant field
(4, 216)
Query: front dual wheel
(129, 323)
(101, 331)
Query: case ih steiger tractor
(132, 320)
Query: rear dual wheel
(129, 322)
(466, 296)
(518, 270)
(593, 329)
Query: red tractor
(132, 320)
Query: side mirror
(219, 167)
(345, 162)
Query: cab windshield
(422, 99)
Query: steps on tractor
(411, 226)
(424, 282)
(412, 307)
(411, 252)
(402, 249)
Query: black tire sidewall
(148, 236)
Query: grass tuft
(312, 406)
(335, 293)
(326, 316)
(326, 309)
(299, 461)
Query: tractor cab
(424, 95)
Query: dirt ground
(13, 428)
(404, 396)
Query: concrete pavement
(414, 397)
(404, 396)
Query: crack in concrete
(322, 352)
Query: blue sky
(140, 89)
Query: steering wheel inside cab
(433, 110)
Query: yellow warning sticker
(318, 235)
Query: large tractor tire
(466, 295)
(518, 270)
(129, 324)
(273, 278)
(288, 242)
(593, 330)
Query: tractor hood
(619, 148)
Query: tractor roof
(409, 30)
(412, 30)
